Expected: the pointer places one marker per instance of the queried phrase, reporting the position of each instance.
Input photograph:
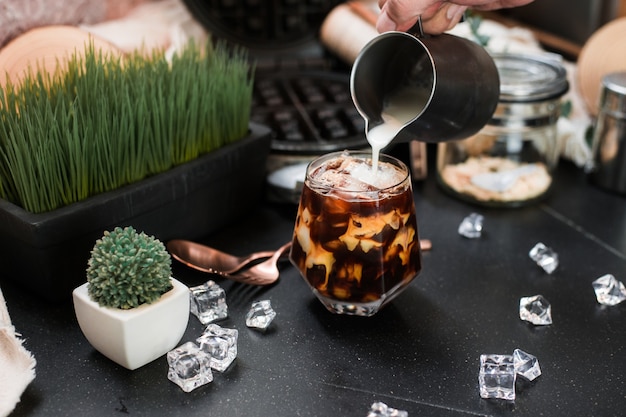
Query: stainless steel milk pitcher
(457, 78)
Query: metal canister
(609, 139)
(510, 161)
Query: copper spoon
(207, 257)
(263, 273)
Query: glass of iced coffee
(355, 239)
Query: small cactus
(127, 269)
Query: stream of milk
(401, 108)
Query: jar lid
(525, 78)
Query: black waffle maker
(301, 92)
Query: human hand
(437, 16)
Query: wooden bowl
(45, 48)
(603, 53)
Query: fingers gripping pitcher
(355, 239)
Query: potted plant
(131, 309)
(164, 144)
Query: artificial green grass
(104, 121)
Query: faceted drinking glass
(355, 238)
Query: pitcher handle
(417, 29)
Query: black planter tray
(47, 253)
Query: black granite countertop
(419, 354)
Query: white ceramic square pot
(135, 337)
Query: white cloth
(162, 24)
(17, 365)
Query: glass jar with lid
(509, 163)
